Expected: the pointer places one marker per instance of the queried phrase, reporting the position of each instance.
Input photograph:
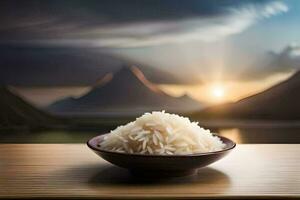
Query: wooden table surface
(73, 171)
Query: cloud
(285, 61)
(134, 23)
(234, 21)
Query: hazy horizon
(43, 96)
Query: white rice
(161, 133)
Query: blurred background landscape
(70, 70)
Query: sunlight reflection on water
(232, 133)
(289, 135)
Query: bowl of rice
(161, 144)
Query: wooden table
(73, 171)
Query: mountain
(37, 66)
(126, 91)
(15, 112)
(280, 102)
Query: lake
(241, 135)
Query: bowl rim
(98, 149)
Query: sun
(218, 91)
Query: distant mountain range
(15, 112)
(280, 102)
(128, 92)
(36, 66)
(123, 93)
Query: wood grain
(73, 171)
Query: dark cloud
(114, 23)
(119, 23)
(38, 66)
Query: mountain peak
(129, 75)
(128, 91)
(129, 71)
(125, 70)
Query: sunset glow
(218, 92)
(227, 91)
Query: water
(47, 136)
(239, 135)
(262, 135)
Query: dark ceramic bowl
(160, 165)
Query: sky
(227, 49)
